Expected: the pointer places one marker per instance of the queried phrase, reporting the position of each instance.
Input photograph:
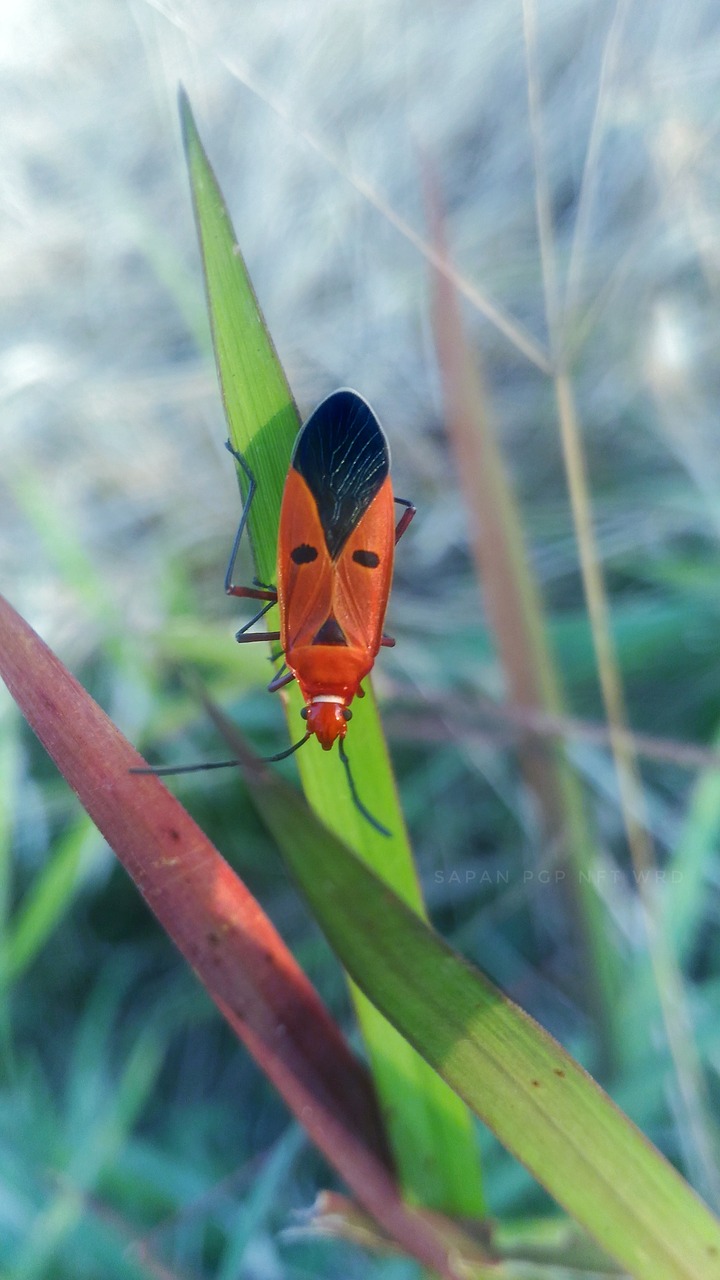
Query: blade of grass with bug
(430, 1131)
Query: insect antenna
(356, 799)
(165, 770)
(283, 755)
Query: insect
(336, 543)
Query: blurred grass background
(134, 1133)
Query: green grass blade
(430, 1130)
(541, 1104)
(517, 617)
(259, 407)
(49, 899)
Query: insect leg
(405, 518)
(257, 635)
(388, 642)
(240, 635)
(280, 680)
(252, 593)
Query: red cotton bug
(336, 543)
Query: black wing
(343, 457)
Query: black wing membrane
(343, 457)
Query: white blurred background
(111, 420)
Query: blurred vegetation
(134, 1133)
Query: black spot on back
(304, 554)
(330, 633)
(368, 559)
(343, 457)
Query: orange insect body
(336, 546)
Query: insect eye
(347, 713)
(304, 713)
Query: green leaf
(430, 1130)
(49, 899)
(222, 932)
(517, 617)
(541, 1104)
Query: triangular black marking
(343, 457)
(330, 633)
